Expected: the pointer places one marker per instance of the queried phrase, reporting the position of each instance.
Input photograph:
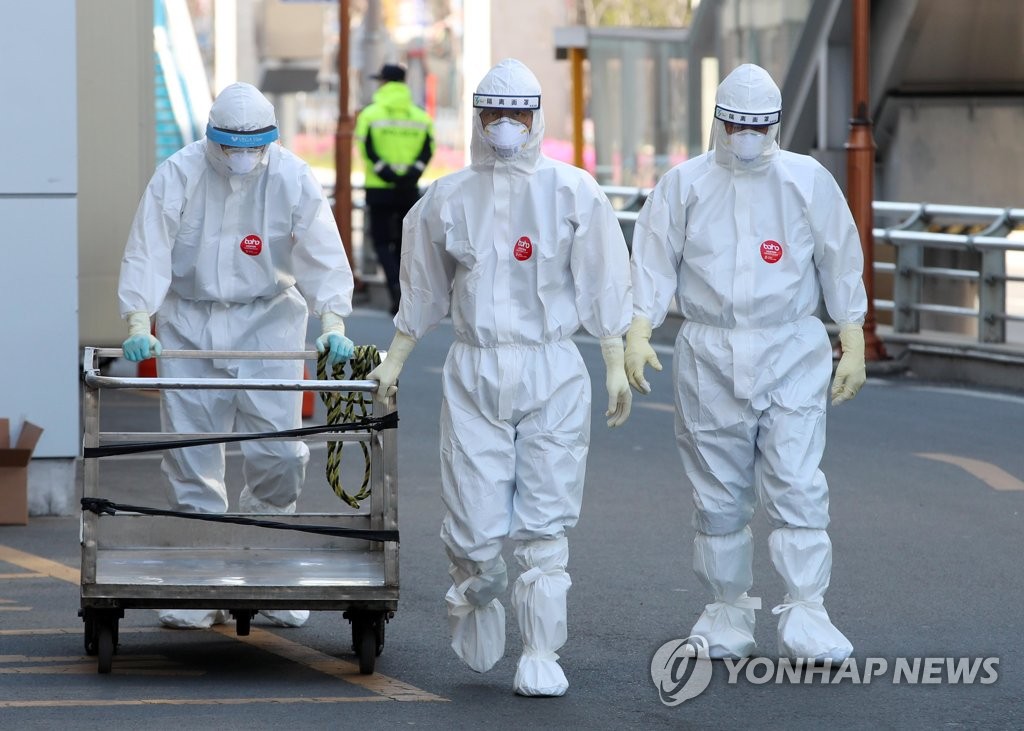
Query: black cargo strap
(374, 423)
(102, 506)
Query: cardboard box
(14, 471)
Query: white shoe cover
(803, 558)
(478, 633)
(724, 564)
(249, 503)
(286, 617)
(805, 631)
(192, 618)
(539, 674)
(728, 628)
(538, 598)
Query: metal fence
(943, 261)
(978, 237)
(984, 235)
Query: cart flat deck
(223, 567)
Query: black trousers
(387, 209)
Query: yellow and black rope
(341, 408)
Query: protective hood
(240, 107)
(747, 96)
(509, 83)
(393, 95)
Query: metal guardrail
(913, 229)
(985, 233)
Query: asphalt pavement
(927, 505)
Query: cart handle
(102, 506)
(373, 423)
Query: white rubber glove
(140, 344)
(639, 353)
(620, 398)
(339, 348)
(386, 374)
(851, 372)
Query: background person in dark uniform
(396, 140)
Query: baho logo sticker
(252, 245)
(771, 251)
(523, 249)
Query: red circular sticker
(771, 251)
(252, 245)
(523, 249)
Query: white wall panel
(39, 361)
(38, 93)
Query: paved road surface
(927, 508)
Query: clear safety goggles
(489, 115)
(231, 150)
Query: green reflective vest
(397, 128)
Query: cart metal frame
(133, 560)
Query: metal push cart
(133, 559)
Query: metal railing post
(907, 289)
(992, 297)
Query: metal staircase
(182, 92)
(168, 136)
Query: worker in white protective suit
(749, 238)
(521, 250)
(232, 244)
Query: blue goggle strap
(233, 138)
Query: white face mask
(746, 145)
(243, 161)
(506, 137)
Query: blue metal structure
(176, 122)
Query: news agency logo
(681, 670)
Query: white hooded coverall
(749, 248)
(521, 253)
(234, 262)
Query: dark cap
(390, 72)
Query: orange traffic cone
(147, 368)
(308, 398)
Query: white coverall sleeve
(145, 275)
(656, 252)
(838, 256)
(427, 270)
(321, 268)
(600, 265)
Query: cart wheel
(243, 622)
(381, 621)
(90, 635)
(356, 632)
(366, 645)
(105, 647)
